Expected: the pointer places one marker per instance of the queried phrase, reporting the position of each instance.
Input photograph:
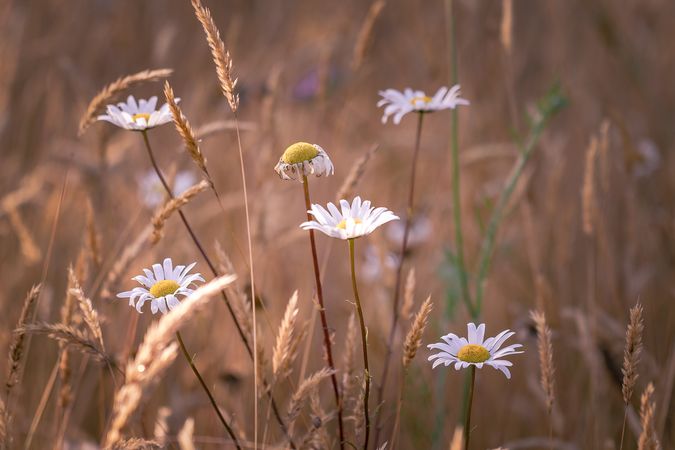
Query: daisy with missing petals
(352, 221)
(302, 159)
(162, 285)
(399, 104)
(475, 351)
(138, 115)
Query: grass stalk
(364, 345)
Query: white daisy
(399, 104)
(162, 285)
(137, 116)
(474, 351)
(152, 191)
(355, 220)
(305, 159)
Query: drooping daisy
(138, 115)
(162, 285)
(475, 351)
(353, 221)
(399, 103)
(303, 159)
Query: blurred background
(311, 71)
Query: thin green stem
(322, 312)
(206, 390)
(456, 185)
(498, 214)
(399, 272)
(364, 345)
(467, 414)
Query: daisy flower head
(474, 351)
(350, 222)
(303, 159)
(399, 103)
(161, 286)
(138, 115)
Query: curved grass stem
(364, 345)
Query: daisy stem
(243, 337)
(322, 313)
(206, 389)
(467, 413)
(399, 272)
(364, 345)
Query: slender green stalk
(206, 389)
(324, 321)
(364, 345)
(467, 413)
(212, 267)
(456, 185)
(399, 272)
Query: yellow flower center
(473, 353)
(420, 98)
(145, 116)
(299, 152)
(163, 288)
(343, 224)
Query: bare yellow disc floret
(424, 98)
(163, 288)
(343, 223)
(473, 353)
(299, 152)
(145, 116)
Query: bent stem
(206, 389)
(364, 344)
(322, 312)
(212, 267)
(399, 272)
(467, 413)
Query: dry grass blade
(588, 201)
(17, 346)
(304, 390)
(87, 309)
(648, 439)
(545, 357)
(349, 379)
(281, 355)
(162, 214)
(109, 93)
(355, 173)
(29, 248)
(506, 29)
(239, 302)
(414, 338)
(457, 438)
(3, 423)
(221, 57)
(184, 129)
(93, 238)
(366, 33)
(70, 337)
(186, 435)
(155, 354)
(408, 295)
(631, 353)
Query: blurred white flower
(162, 285)
(399, 103)
(305, 159)
(475, 351)
(152, 192)
(420, 230)
(137, 116)
(355, 220)
(376, 265)
(648, 158)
